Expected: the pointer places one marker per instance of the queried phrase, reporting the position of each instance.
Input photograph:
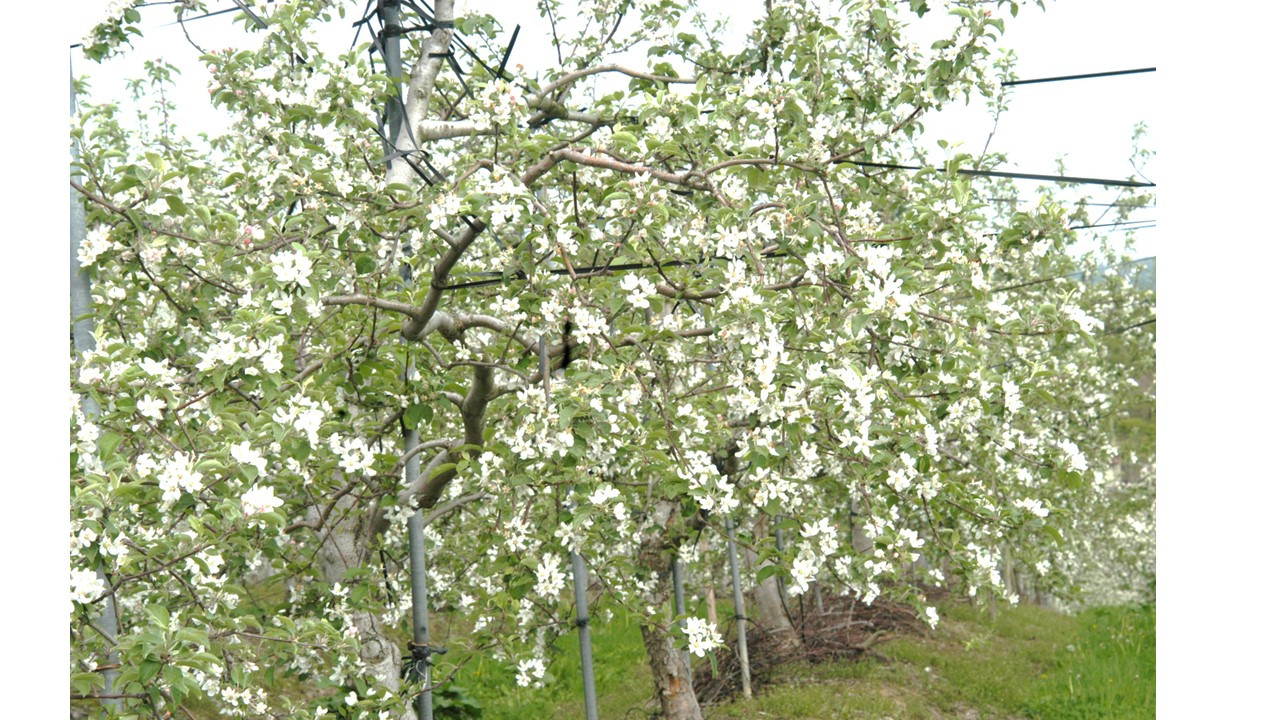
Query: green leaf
(159, 616)
(766, 572)
(418, 414)
(176, 206)
(148, 669)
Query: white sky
(1088, 123)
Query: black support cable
(1114, 224)
(1084, 76)
(1072, 204)
(262, 24)
(498, 277)
(1072, 180)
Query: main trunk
(340, 551)
(771, 607)
(672, 678)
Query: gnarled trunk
(342, 544)
(771, 606)
(672, 678)
(671, 675)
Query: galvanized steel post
(677, 601)
(420, 650)
(584, 634)
(83, 340)
(583, 611)
(739, 615)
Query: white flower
(1012, 396)
(85, 585)
(604, 494)
(260, 500)
(155, 368)
(352, 698)
(179, 475)
(550, 577)
(899, 480)
(639, 290)
(1032, 506)
(151, 407)
(246, 455)
(272, 361)
(291, 267)
(1087, 323)
(931, 617)
(702, 636)
(114, 547)
(530, 672)
(803, 572)
(88, 433)
(96, 242)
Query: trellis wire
(1084, 76)
(83, 341)
(739, 614)
(1067, 179)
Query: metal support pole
(583, 617)
(421, 648)
(780, 545)
(83, 340)
(584, 634)
(418, 591)
(677, 601)
(395, 67)
(738, 614)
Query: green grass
(624, 685)
(1025, 662)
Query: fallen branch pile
(844, 629)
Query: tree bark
(342, 548)
(672, 678)
(771, 607)
(671, 675)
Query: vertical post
(83, 340)
(853, 521)
(395, 66)
(677, 600)
(709, 590)
(739, 615)
(421, 648)
(780, 545)
(583, 611)
(584, 634)
(418, 591)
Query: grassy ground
(1024, 662)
